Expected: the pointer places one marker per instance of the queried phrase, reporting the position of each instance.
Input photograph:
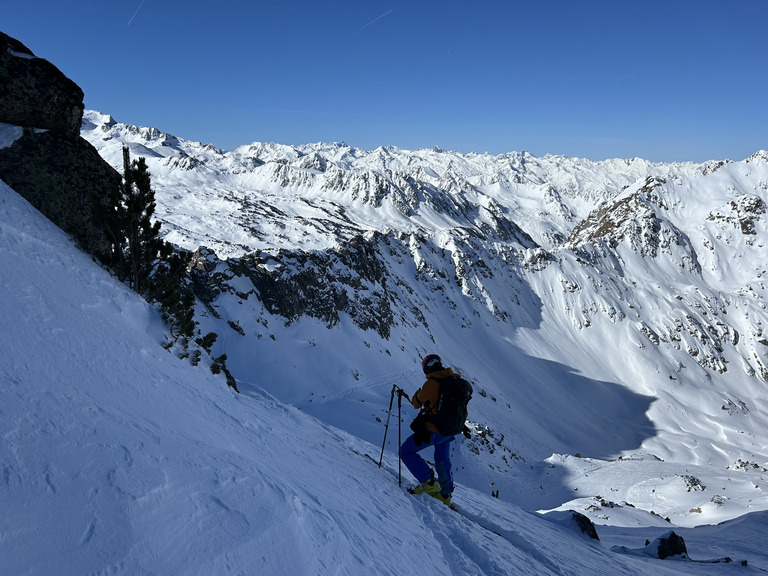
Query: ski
(467, 515)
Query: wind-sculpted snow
(600, 308)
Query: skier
(426, 431)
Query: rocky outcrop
(667, 546)
(585, 525)
(633, 219)
(35, 93)
(65, 178)
(574, 520)
(55, 169)
(742, 213)
(321, 285)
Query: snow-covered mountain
(614, 310)
(609, 314)
(119, 458)
(266, 196)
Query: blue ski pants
(409, 454)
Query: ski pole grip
(401, 393)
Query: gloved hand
(420, 433)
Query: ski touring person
(442, 401)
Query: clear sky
(665, 80)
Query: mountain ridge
(404, 182)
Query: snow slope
(118, 458)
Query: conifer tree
(144, 245)
(150, 266)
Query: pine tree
(169, 286)
(142, 259)
(144, 246)
(151, 266)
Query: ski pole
(399, 441)
(386, 427)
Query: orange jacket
(427, 396)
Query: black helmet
(431, 363)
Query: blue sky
(664, 80)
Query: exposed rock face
(320, 285)
(585, 525)
(35, 93)
(65, 178)
(59, 172)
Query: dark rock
(64, 178)
(585, 525)
(56, 170)
(320, 285)
(574, 520)
(669, 545)
(34, 93)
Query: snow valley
(610, 314)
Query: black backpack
(455, 394)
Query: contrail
(137, 11)
(372, 21)
(623, 78)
